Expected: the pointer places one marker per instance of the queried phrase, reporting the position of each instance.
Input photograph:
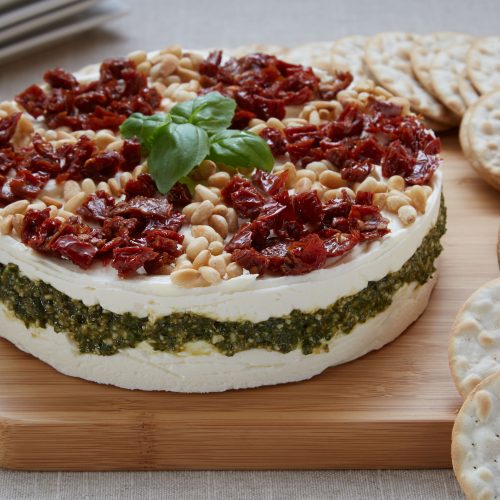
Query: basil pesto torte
(187, 222)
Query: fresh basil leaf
(237, 148)
(212, 112)
(175, 151)
(143, 128)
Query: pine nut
(234, 270)
(201, 259)
(209, 233)
(216, 247)
(37, 205)
(140, 169)
(103, 138)
(137, 57)
(317, 167)
(331, 179)
(53, 211)
(257, 129)
(183, 262)
(17, 207)
(232, 220)
(205, 169)
(73, 203)
(417, 196)
(188, 210)
(17, 223)
(395, 201)
(303, 185)
(206, 194)
(70, 189)
(114, 187)
(219, 179)
(186, 62)
(165, 67)
(210, 274)
(427, 191)
(48, 200)
(379, 200)
(256, 121)
(396, 182)
(314, 118)
(187, 278)
(289, 167)
(220, 210)
(124, 178)
(144, 67)
(202, 212)
(6, 224)
(306, 173)
(64, 214)
(319, 188)
(219, 223)
(219, 264)
(188, 74)
(369, 185)
(115, 146)
(196, 246)
(275, 123)
(407, 214)
(88, 186)
(104, 186)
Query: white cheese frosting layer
(241, 298)
(146, 369)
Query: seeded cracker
(348, 54)
(475, 448)
(474, 348)
(446, 68)
(466, 89)
(426, 47)
(388, 57)
(483, 64)
(483, 137)
(314, 54)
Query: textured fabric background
(152, 24)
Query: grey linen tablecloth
(153, 24)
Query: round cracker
(314, 54)
(445, 71)
(425, 48)
(483, 64)
(388, 57)
(475, 445)
(483, 129)
(474, 346)
(348, 54)
(466, 89)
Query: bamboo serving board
(390, 409)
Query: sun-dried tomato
(261, 84)
(131, 152)
(304, 256)
(105, 103)
(308, 207)
(144, 185)
(251, 259)
(179, 195)
(355, 172)
(128, 260)
(81, 253)
(275, 140)
(97, 206)
(340, 243)
(58, 78)
(269, 183)
(329, 90)
(7, 128)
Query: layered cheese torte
(187, 222)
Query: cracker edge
(457, 452)
(454, 333)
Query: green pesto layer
(99, 331)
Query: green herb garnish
(193, 131)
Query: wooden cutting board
(390, 409)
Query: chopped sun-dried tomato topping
(105, 103)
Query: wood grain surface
(390, 409)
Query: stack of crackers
(474, 356)
(450, 79)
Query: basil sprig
(193, 131)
